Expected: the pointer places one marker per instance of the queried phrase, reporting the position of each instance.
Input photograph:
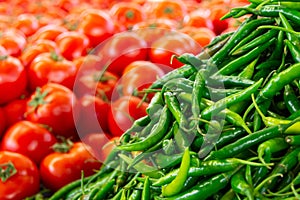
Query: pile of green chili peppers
(223, 126)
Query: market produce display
(72, 79)
(216, 117)
(224, 125)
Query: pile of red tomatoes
(73, 74)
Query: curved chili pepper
(245, 28)
(156, 134)
(290, 99)
(177, 184)
(230, 100)
(271, 146)
(245, 59)
(205, 188)
(248, 141)
(256, 42)
(240, 186)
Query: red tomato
(151, 29)
(218, 11)
(97, 25)
(122, 49)
(123, 112)
(127, 13)
(3, 122)
(95, 82)
(30, 139)
(171, 44)
(171, 9)
(13, 79)
(72, 44)
(198, 18)
(51, 67)
(93, 116)
(202, 35)
(23, 182)
(49, 32)
(58, 169)
(101, 144)
(15, 110)
(139, 75)
(27, 23)
(55, 106)
(39, 46)
(14, 41)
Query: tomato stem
(64, 146)
(38, 98)
(3, 57)
(7, 170)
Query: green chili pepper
(229, 136)
(245, 59)
(294, 49)
(254, 34)
(205, 188)
(142, 167)
(228, 81)
(256, 42)
(157, 133)
(248, 71)
(197, 94)
(219, 38)
(230, 100)
(290, 99)
(189, 59)
(207, 168)
(240, 186)
(176, 185)
(278, 81)
(249, 140)
(182, 72)
(271, 146)
(236, 119)
(286, 164)
(105, 189)
(174, 106)
(146, 189)
(137, 125)
(247, 27)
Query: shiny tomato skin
(56, 106)
(3, 121)
(14, 41)
(93, 116)
(13, 81)
(152, 29)
(162, 50)
(29, 139)
(25, 183)
(122, 49)
(58, 169)
(91, 81)
(139, 75)
(15, 110)
(170, 9)
(72, 44)
(123, 112)
(97, 25)
(101, 144)
(48, 32)
(127, 13)
(35, 48)
(27, 23)
(50, 67)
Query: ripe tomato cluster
(73, 74)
